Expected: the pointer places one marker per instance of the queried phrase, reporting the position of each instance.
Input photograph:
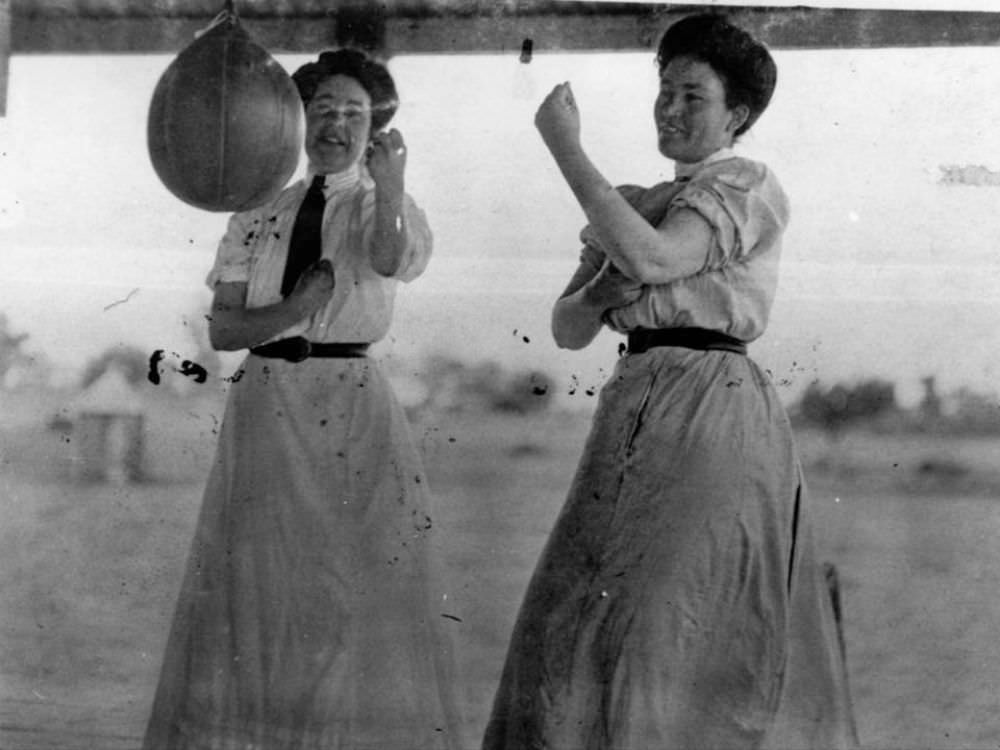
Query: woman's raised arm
(651, 255)
(387, 164)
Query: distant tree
(836, 407)
(133, 362)
(12, 351)
(524, 393)
(871, 398)
(458, 386)
(975, 413)
(454, 385)
(822, 407)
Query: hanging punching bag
(225, 124)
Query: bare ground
(89, 572)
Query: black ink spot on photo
(154, 370)
(527, 47)
(194, 370)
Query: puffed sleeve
(235, 252)
(744, 205)
(419, 242)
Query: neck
(337, 179)
(686, 169)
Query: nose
(667, 106)
(335, 117)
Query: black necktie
(305, 246)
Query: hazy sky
(889, 270)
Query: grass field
(89, 572)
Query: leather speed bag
(225, 124)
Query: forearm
(576, 319)
(234, 327)
(631, 242)
(390, 237)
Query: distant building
(108, 430)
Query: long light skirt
(307, 616)
(678, 603)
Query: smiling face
(692, 118)
(338, 124)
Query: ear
(740, 113)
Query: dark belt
(296, 349)
(689, 338)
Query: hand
(315, 286)
(610, 288)
(558, 120)
(387, 160)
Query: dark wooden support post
(4, 54)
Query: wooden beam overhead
(442, 26)
(4, 53)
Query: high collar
(337, 182)
(684, 171)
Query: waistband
(297, 349)
(688, 338)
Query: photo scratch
(122, 301)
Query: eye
(331, 109)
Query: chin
(684, 156)
(671, 150)
(332, 163)
(672, 153)
(336, 167)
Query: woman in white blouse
(305, 618)
(678, 602)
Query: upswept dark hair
(745, 66)
(373, 76)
